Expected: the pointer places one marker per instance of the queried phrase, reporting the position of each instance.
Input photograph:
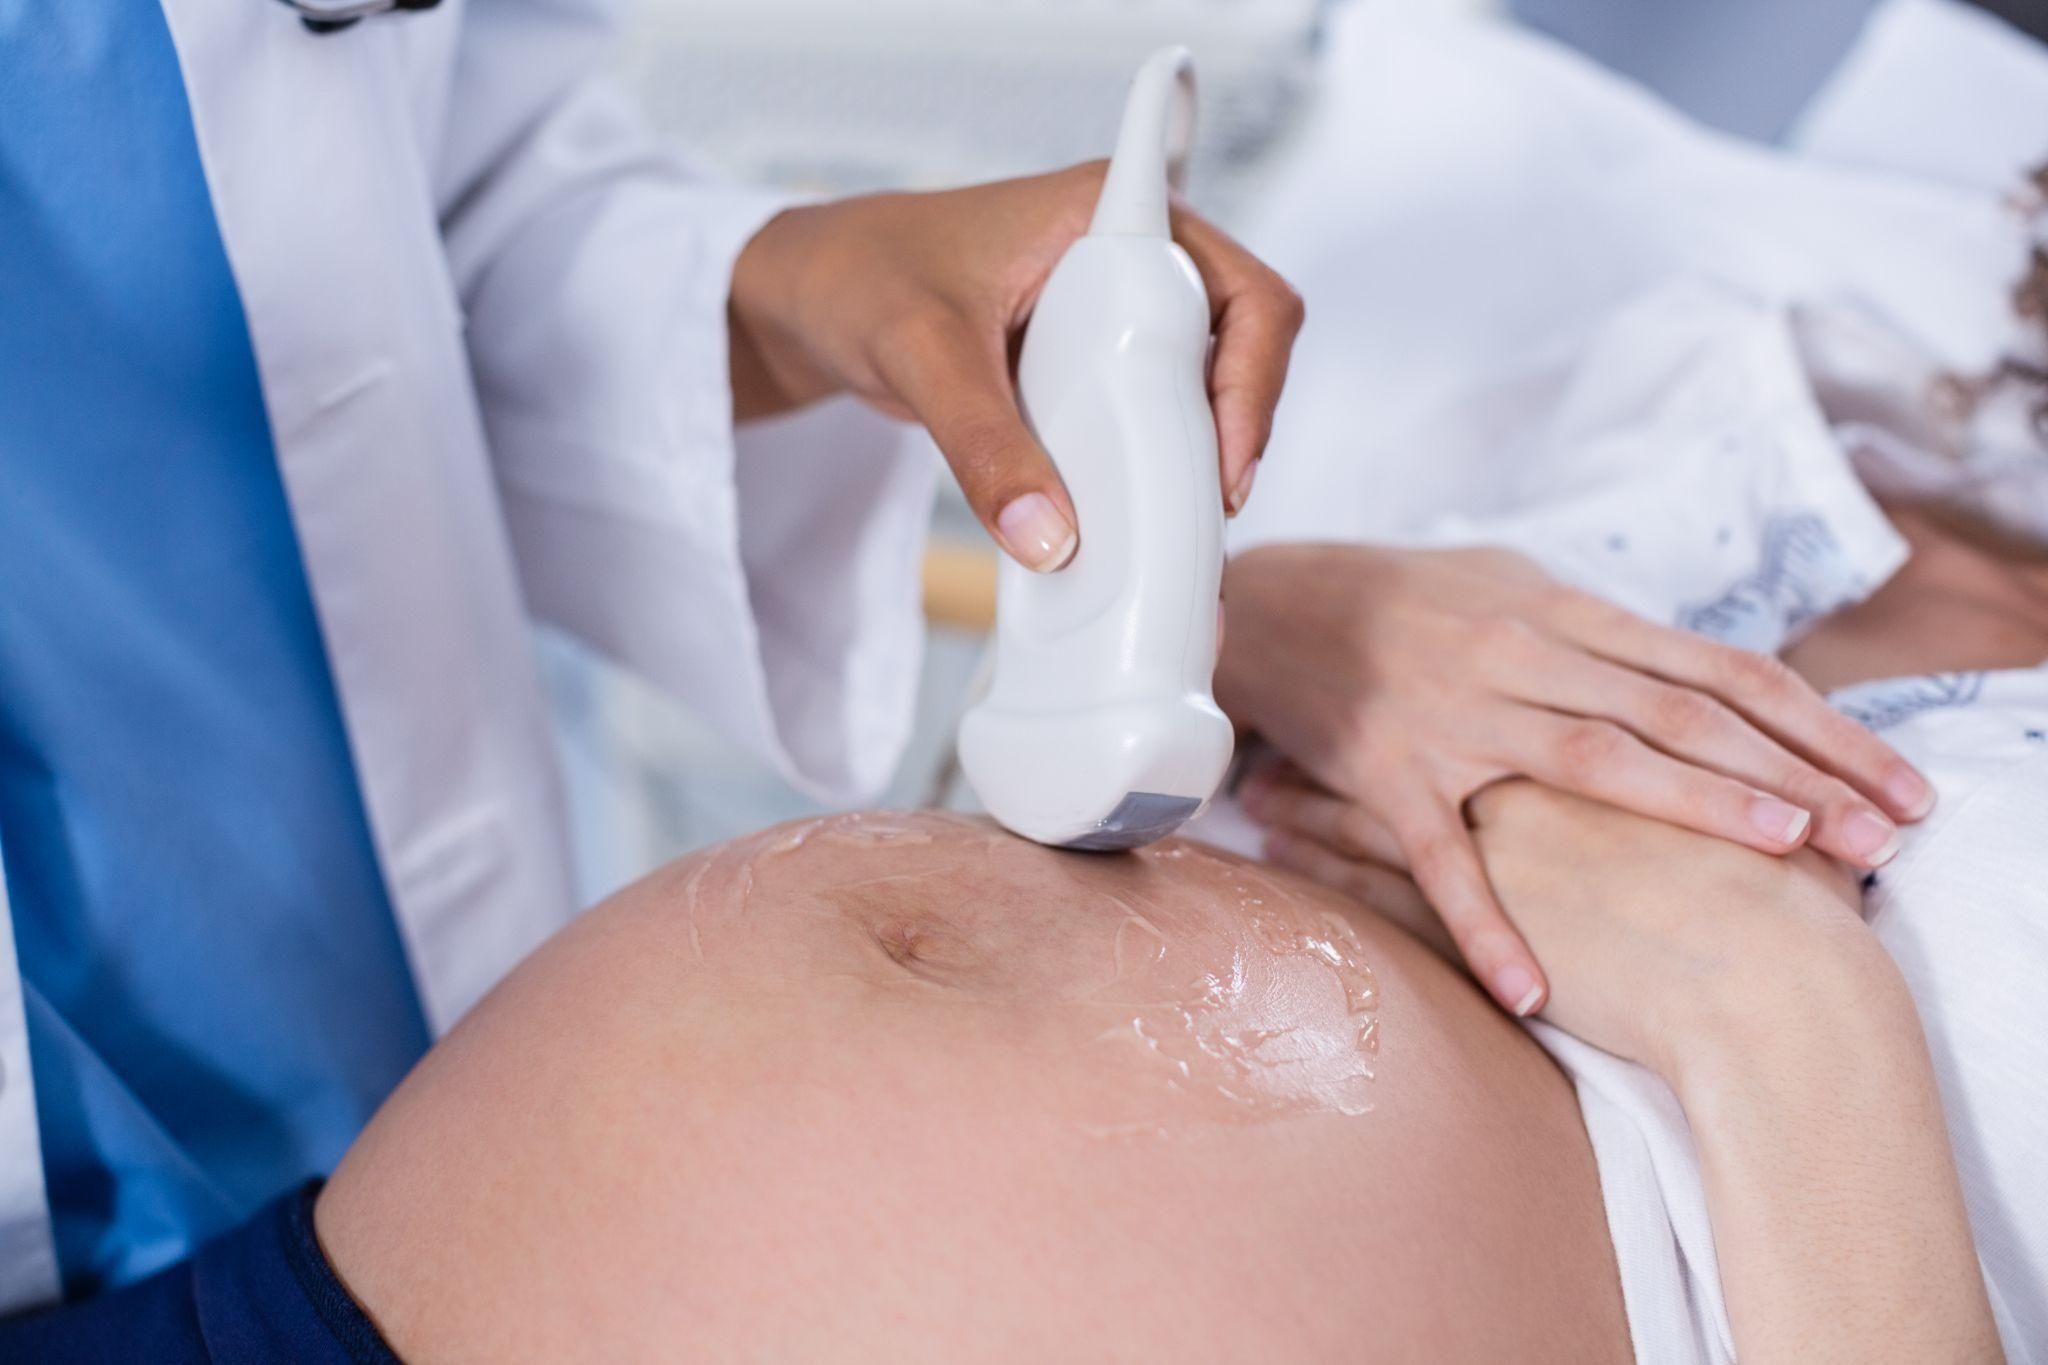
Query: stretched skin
(912, 1090)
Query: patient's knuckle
(1437, 859)
(1508, 639)
(1759, 675)
(1683, 714)
(1597, 614)
(1492, 561)
(1584, 747)
(1816, 791)
(1288, 305)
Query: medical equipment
(1098, 730)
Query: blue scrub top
(216, 992)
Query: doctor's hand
(917, 303)
(1399, 683)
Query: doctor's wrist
(772, 370)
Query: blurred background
(839, 96)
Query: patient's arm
(1753, 987)
(903, 1088)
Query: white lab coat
(489, 315)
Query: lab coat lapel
(329, 228)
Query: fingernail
(1778, 821)
(1037, 535)
(1872, 838)
(1911, 794)
(1519, 985)
(1242, 492)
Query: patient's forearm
(1752, 986)
(1830, 1184)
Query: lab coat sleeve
(770, 577)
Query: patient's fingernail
(1779, 821)
(1518, 984)
(1242, 492)
(1911, 794)
(1873, 839)
(1036, 534)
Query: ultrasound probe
(1098, 729)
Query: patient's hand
(1656, 938)
(1403, 681)
(1752, 986)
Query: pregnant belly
(902, 1087)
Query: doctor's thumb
(960, 388)
(1018, 496)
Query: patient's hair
(2030, 302)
